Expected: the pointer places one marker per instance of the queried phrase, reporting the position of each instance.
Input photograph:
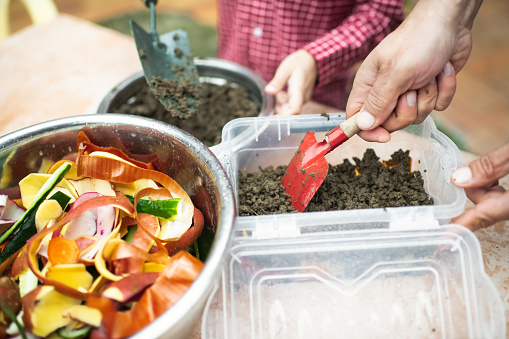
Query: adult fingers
(404, 114)
(426, 100)
(363, 82)
(477, 194)
(486, 213)
(378, 134)
(483, 171)
(446, 87)
(379, 104)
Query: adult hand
(298, 72)
(423, 55)
(480, 180)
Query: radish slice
(97, 222)
(9, 209)
(117, 170)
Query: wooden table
(62, 68)
(65, 67)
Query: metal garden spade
(308, 168)
(168, 65)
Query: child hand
(298, 72)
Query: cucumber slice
(165, 209)
(62, 199)
(68, 333)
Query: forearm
(445, 24)
(457, 14)
(469, 8)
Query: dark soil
(182, 94)
(218, 105)
(379, 185)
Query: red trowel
(308, 168)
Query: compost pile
(218, 105)
(366, 183)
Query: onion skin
(10, 297)
(189, 237)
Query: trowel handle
(151, 4)
(343, 132)
(147, 2)
(349, 126)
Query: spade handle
(349, 126)
(342, 133)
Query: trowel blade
(166, 57)
(303, 178)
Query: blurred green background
(202, 38)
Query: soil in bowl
(218, 105)
(366, 183)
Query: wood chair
(40, 11)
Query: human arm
(324, 59)
(480, 179)
(425, 52)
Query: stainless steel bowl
(215, 71)
(185, 159)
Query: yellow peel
(45, 165)
(98, 284)
(7, 171)
(153, 267)
(73, 171)
(85, 314)
(126, 189)
(73, 275)
(109, 155)
(144, 183)
(113, 293)
(100, 263)
(48, 314)
(48, 210)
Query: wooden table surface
(65, 67)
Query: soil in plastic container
(218, 105)
(366, 183)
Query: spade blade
(169, 68)
(303, 178)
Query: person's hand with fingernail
(480, 181)
(413, 70)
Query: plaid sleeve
(350, 42)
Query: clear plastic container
(376, 273)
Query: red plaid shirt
(259, 34)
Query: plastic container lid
(377, 273)
(357, 284)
